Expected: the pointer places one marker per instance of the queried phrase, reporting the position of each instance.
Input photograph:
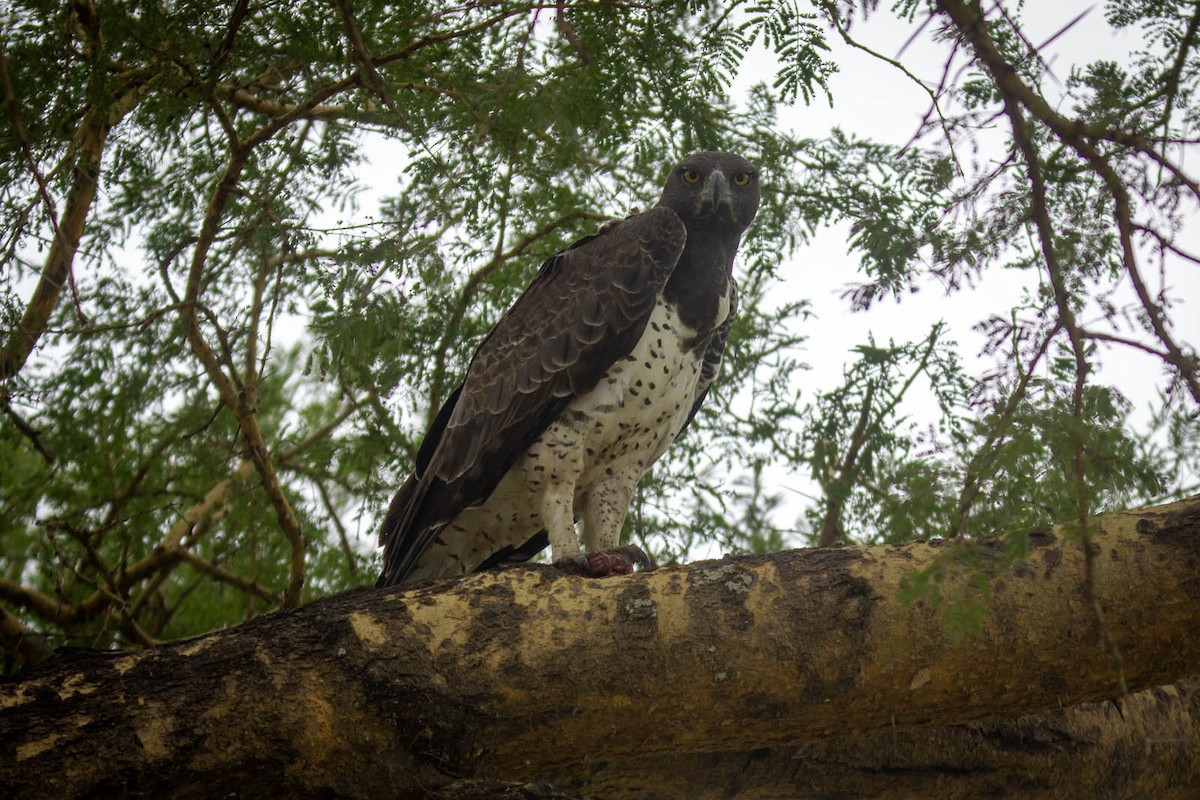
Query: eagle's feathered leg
(604, 508)
(556, 465)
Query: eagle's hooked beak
(715, 198)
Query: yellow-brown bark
(614, 686)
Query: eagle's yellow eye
(691, 176)
(741, 179)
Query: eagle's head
(713, 189)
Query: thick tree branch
(1087, 751)
(530, 674)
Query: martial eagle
(580, 387)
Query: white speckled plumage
(589, 461)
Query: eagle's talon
(612, 562)
(621, 560)
(638, 556)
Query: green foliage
(234, 280)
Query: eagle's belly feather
(601, 446)
(638, 409)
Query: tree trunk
(798, 674)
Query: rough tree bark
(795, 674)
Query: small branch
(236, 18)
(347, 550)
(1171, 79)
(362, 56)
(375, 403)
(42, 605)
(986, 453)
(133, 631)
(317, 435)
(1166, 244)
(298, 112)
(236, 402)
(210, 507)
(835, 18)
(568, 33)
(831, 524)
(18, 126)
(24, 427)
(1017, 95)
(271, 108)
(149, 591)
(161, 559)
(56, 272)
(223, 575)
(250, 374)
(428, 40)
(314, 474)
(1100, 336)
(293, 257)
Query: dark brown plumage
(580, 386)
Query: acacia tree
(180, 193)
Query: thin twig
(24, 427)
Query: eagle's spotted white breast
(589, 461)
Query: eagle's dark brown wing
(585, 310)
